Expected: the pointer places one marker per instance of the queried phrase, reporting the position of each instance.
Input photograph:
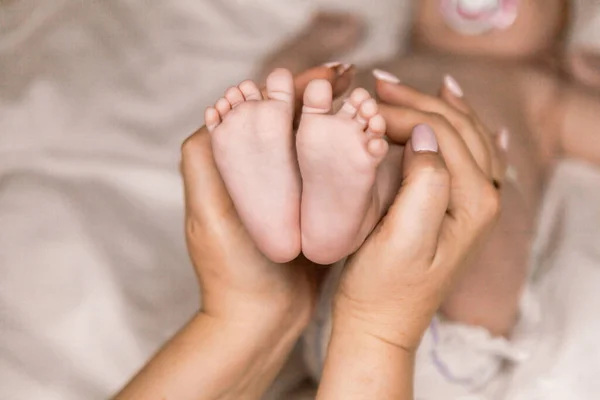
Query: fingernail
(423, 139)
(504, 139)
(344, 68)
(385, 76)
(453, 86)
(332, 64)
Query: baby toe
(223, 106)
(318, 97)
(211, 118)
(376, 126)
(234, 96)
(378, 148)
(352, 104)
(280, 86)
(368, 109)
(250, 91)
(347, 110)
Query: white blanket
(95, 100)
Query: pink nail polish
(344, 68)
(385, 76)
(423, 139)
(453, 86)
(504, 139)
(332, 64)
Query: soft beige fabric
(95, 99)
(585, 28)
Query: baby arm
(329, 35)
(579, 135)
(565, 118)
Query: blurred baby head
(503, 28)
(583, 43)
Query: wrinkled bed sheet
(95, 99)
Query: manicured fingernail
(332, 64)
(385, 76)
(504, 139)
(453, 86)
(344, 68)
(423, 139)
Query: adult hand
(252, 310)
(234, 276)
(496, 282)
(391, 288)
(453, 107)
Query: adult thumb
(414, 221)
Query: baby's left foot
(253, 147)
(339, 157)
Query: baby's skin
(321, 190)
(515, 29)
(546, 119)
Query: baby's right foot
(253, 146)
(339, 157)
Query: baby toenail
(348, 107)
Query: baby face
(583, 43)
(507, 28)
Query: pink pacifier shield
(474, 17)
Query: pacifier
(475, 17)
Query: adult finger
(402, 120)
(339, 75)
(414, 221)
(470, 192)
(403, 95)
(202, 179)
(214, 232)
(453, 94)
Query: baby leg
(346, 187)
(253, 146)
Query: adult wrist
(252, 354)
(362, 365)
(210, 359)
(402, 327)
(269, 315)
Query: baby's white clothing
(454, 361)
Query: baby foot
(254, 149)
(338, 157)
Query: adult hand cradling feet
(252, 311)
(391, 288)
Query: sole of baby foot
(338, 157)
(254, 149)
